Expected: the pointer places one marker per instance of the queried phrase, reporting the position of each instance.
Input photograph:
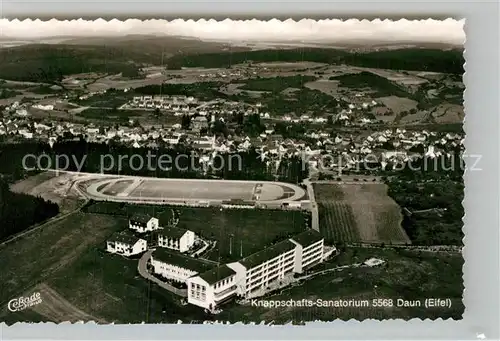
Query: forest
(184, 161)
(20, 211)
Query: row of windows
(281, 257)
(287, 262)
(168, 269)
(198, 295)
(265, 280)
(223, 282)
(311, 257)
(195, 286)
(311, 250)
(313, 244)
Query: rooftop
(124, 237)
(140, 218)
(307, 238)
(173, 232)
(216, 274)
(267, 254)
(186, 262)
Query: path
(143, 271)
(314, 205)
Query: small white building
(143, 223)
(125, 243)
(175, 266)
(176, 239)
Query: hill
(51, 62)
(436, 60)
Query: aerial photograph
(225, 171)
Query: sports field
(194, 190)
(359, 213)
(181, 190)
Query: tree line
(18, 160)
(20, 211)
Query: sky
(443, 31)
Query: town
(296, 173)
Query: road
(314, 205)
(143, 271)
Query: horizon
(446, 32)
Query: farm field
(409, 275)
(359, 213)
(32, 260)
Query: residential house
(125, 243)
(143, 223)
(174, 238)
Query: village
(203, 122)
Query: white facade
(182, 244)
(207, 294)
(171, 271)
(292, 260)
(126, 249)
(142, 226)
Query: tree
(185, 122)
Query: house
(125, 243)
(175, 266)
(176, 239)
(199, 123)
(212, 288)
(143, 223)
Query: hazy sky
(446, 31)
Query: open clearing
(359, 213)
(398, 104)
(237, 232)
(53, 187)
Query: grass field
(33, 259)
(359, 213)
(409, 275)
(77, 280)
(245, 231)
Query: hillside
(51, 62)
(448, 61)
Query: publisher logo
(21, 303)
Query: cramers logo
(21, 303)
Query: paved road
(143, 271)
(314, 205)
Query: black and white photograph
(231, 171)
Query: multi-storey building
(125, 243)
(210, 287)
(174, 266)
(309, 250)
(143, 223)
(257, 271)
(176, 238)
